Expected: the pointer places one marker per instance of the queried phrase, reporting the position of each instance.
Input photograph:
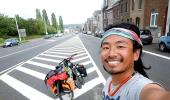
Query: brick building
(124, 6)
(155, 13)
(146, 14)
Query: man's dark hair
(138, 65)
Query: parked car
(59, 34)
(146, 36)
(164, 42)
(99, 34)
(89, 32)
(10, 42)
(47, 36)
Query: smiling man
(121, 50)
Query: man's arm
(154, 92)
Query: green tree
(54, 21)
(39, 24)
(38, 14)
(61, 27)
(7, 26)
(45, 17)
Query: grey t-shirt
(129, 91)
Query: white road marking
(98, 71)
(85, 63)
(78, 59)
(50, 40)
(161, 56)
(87, 86)
(23, 50)
(41, 65)
(24, 89)
(58, 56)
(47, 59)
(91, 69)
(63, 53)
(80, 54)
(9, 69)
(68, 50)
(64, 47)
(32, 72)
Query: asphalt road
(16, 55)
(25, 80)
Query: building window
(133, 4)
(131, 20)
(126, 4)
(140, 4)
(137, 21)
(117, 12)
(154, 18)
(106, 3)
(121, 8)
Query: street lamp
(17, 28)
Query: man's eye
(105, 48)
(120, 46)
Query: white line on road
(41, 65)
(98, 71)
(80, 54)
(85, 63)
(50, 55)
(78, 59)
(68, 50)
(91, 69)
(63, 53)
(47, 59)
(86, 87)
(24, 89)
(23, 50)
(31, 72)
(9, 69)
(165, 57)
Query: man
(121, 50)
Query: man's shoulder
(153, 92)
(138, 82)
(140, 79)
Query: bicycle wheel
(58, 94)
(81, 79)
(78, 82)
(67, 93)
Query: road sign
(22, 32)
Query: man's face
(117, 54)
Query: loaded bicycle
(65, 78)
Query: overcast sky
(72, 11)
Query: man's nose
(113, 52)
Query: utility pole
(45, 26)
(17, 28)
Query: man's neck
(119, 78)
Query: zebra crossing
(27, 78)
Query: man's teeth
(114, 62)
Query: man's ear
(136, 55)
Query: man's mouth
(113, 62)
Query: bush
(1, 41)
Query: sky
(72, 11)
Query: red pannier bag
(58, 76)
